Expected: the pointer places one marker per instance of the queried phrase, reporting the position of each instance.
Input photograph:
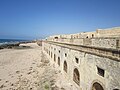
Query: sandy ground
(26, 69)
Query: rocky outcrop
(9, 46)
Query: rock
(29, 73)
(12, 84)
(1, 86)
(55, 88)
(6, 81)
(9, 46)
(17, 72)
(62, 88)
(1, 47)
(30, 88)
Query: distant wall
(72, 41)
(112, 32)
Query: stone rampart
(87, 61)
(82, 67)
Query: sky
(34, 19)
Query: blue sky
(30, 19)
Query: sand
(26, 69)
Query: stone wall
(104, 42)
(110, 32)
(87, 65)
(113, 43)
(105, 38)
(86, 60)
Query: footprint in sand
(17, 72)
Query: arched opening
(117, 43)
(54, 57)
(76, 60)
(76, 76)
(56, 37)
(51, 54)
(97, 86)
(65, 66)
(65, 54)
(59, 61)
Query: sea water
(10, 41)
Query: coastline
(13, 45)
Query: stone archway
(97, 86)
(65, 66)
(76, 76)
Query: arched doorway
(97, 86)
(54, 57)
(59, 61)
(76, 76)
(65, 66)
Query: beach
(26, 69)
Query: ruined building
(88, 60)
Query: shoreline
(15, 45)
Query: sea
(10, 41)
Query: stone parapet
(106, 42)
(113, 54)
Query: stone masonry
(88, 60)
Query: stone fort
(87, 60)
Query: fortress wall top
(88, 34)
(107, 38)
(106, 42)
(96, 42)
(111, 32)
